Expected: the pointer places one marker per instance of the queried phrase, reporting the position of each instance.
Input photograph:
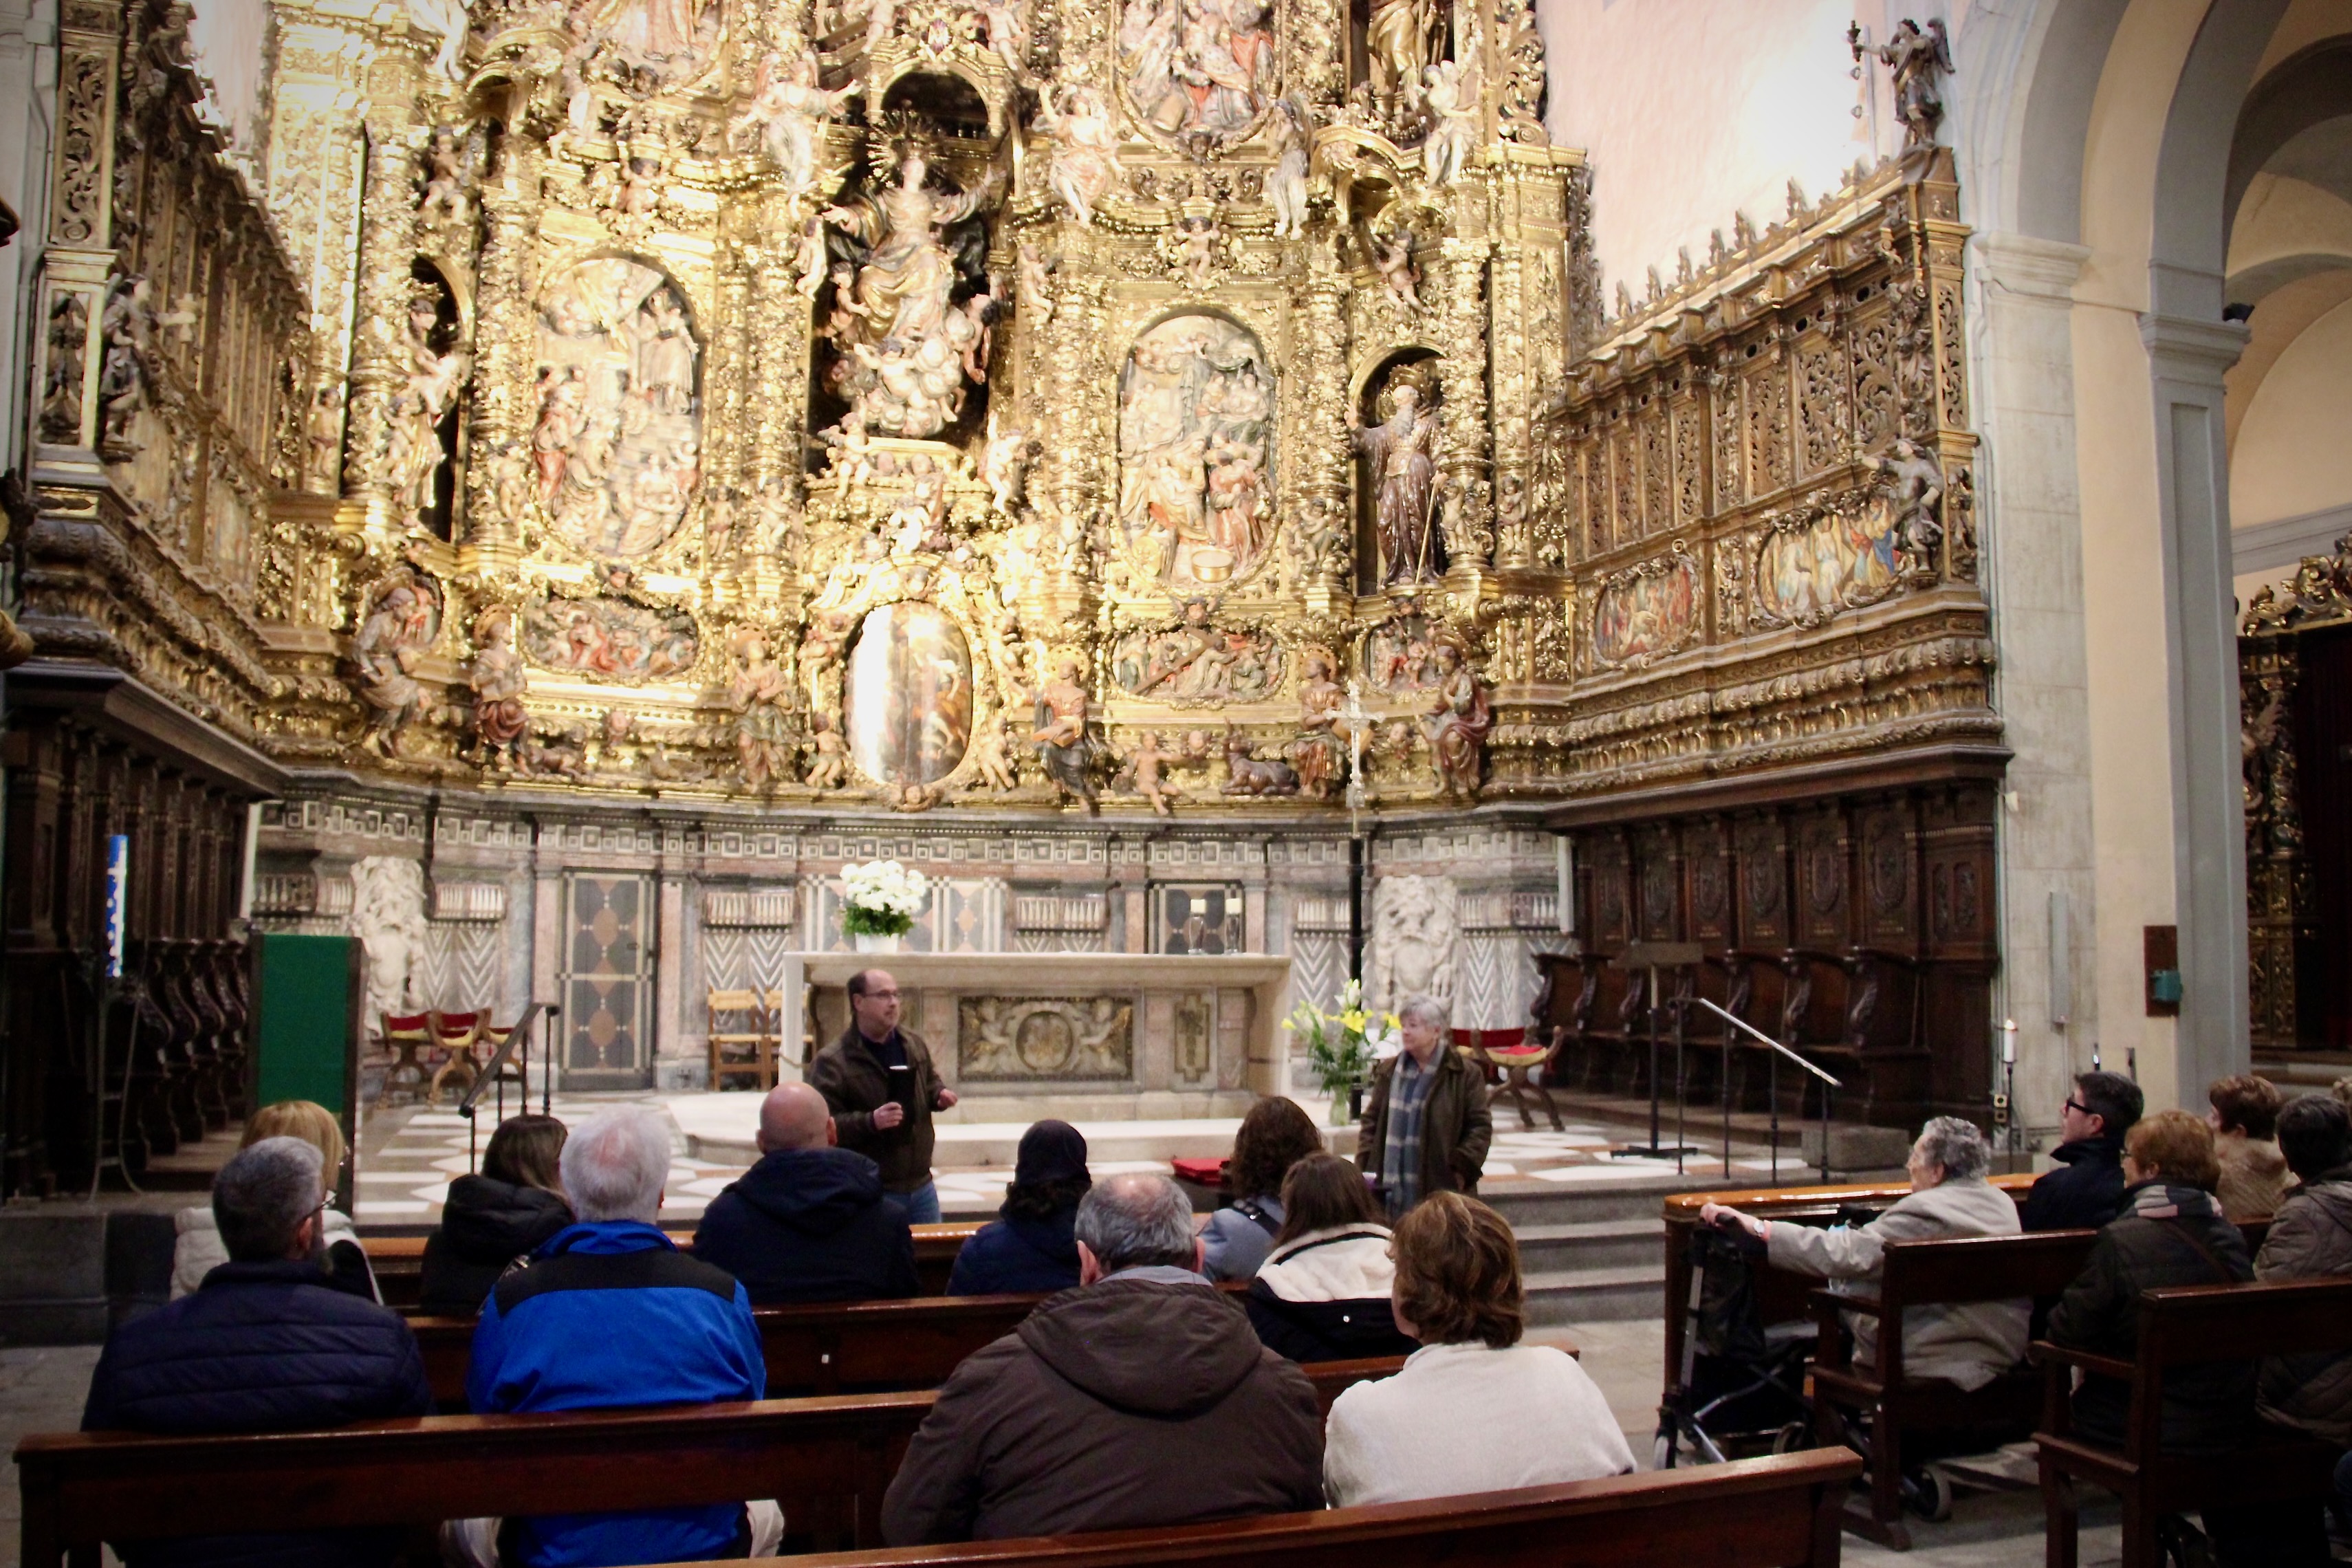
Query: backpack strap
(1255, 1213)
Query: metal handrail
(1764, 1038)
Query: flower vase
(867, 942)
(1339, 1116)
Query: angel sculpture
(1285, 187)
(445, 22)
(1453, 101)
(1006, 467)
(1033, 284)
(1084, 165)
(1916, 59)
(1918, 494)
(787, 110)
(444, 199)
(1392, 259)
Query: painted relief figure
(609, 639)
(902, 337)
(1459, 717)
(402, 621)
(1837, 560)
(617, 436)
(1400, 656)
(1644, 615)
(910, 698)
(1195, 422)
(1195, 662)
(1401, 468)
(1200, 70)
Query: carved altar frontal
(1138, 1036)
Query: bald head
(794, 1116)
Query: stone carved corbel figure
(498, 680)
(388, 917)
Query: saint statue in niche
(1399, 41)
(1402, 452)
(902, 337)
(910, 698)
(618, 433)
(1199, 71)
(1195, 422)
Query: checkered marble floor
(408, 1155)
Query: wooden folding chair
(1510, 1063)
(407, 1033)
(741, 1042)
(455, 1034)
(493, 1036)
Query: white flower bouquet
(881, 897)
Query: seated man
(610, 1313)
(2086, 1191)
(809, 1222)
(1140, 1399)
(265, 1343)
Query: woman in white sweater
(197, 1249)
(1474, 1410)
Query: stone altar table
(1106, 1036)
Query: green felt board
(302, 1038)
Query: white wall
(1692, 110)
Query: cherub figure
(1196, 249)
(1392, 259)
(829, 759)
(1006, 467)
(1144, 772)
(1033, 282)
(444, 200)
(993, 759)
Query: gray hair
(1421, 1004)
(1957, 1146)
(262, 1196)
(1136, 1218)
(614, 1165)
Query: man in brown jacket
(1426, 1127)
(880, 1083)
(1141, 1399)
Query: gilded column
(1467, 515)
(497, 481)
(1325, 523)
(387, 251)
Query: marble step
(1597, 1295)
(1590, 1244)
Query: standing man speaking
(878, 1080)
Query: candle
(2009, 1042)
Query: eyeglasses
(2079, 1108)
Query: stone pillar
(2028, 504)
(2189, 357)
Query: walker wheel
(1790, 1439)
(1931, 1495)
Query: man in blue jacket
(2086, 1190)
(810, 1222)
(266, 1343)
(610, 1313)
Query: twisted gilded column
(498, 419)
(1463, 449)
(387, 250)
(1327, 523)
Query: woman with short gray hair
(1968, 1344)
(1426, 1127)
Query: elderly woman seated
(1967, 1344)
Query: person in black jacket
(496, 1220)
(810, 1222)
(265, 1345)
(2172, 1232)
(2086, 1191)
(1324, 1292)
(1032, 1245)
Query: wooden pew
(823, 1347)
(1951, 1270)
(81, 1487)
(2178, 1327)
(1776, 1512)
(399, 1260)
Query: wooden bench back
(1959, 1270)
(1774, 1512)
(81, 1487)
(2185, 1324)
(824, 1347)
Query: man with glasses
(2086, 1190)
(882, 1088)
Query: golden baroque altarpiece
(1180, 405)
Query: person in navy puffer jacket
(1031, 1245)
(266, 1343)
(609, 1313)
(810, 1222)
